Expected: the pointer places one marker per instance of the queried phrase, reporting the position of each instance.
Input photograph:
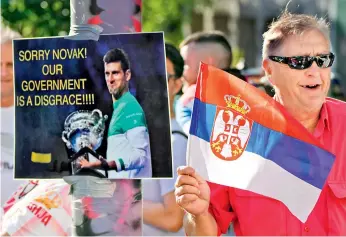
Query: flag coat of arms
(242, 138)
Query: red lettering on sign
(40, 213)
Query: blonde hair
(291, 24)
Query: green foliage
(238, 54)
(42, 18)
(37, 18)
(168, 16)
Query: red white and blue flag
(242, 138)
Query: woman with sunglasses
(297, 60)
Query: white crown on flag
(234, 102)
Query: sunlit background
(243, 21)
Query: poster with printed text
(92, 107)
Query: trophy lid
(84, 127)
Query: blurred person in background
(19, 195)
(8, 184)
(161, 214)
(297, 60)
(257, 78)
(210, 47)
(337, 87)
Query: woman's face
(301, 90)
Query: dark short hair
(117, 55)
(173, 54)
(216, 37)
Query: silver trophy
(83, 133)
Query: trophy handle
(98, 112)
(67, 142)
(98, 126)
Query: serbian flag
(240, 137)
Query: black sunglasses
(304, 62)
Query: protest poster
(74, 112)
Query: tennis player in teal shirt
(128, 149)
